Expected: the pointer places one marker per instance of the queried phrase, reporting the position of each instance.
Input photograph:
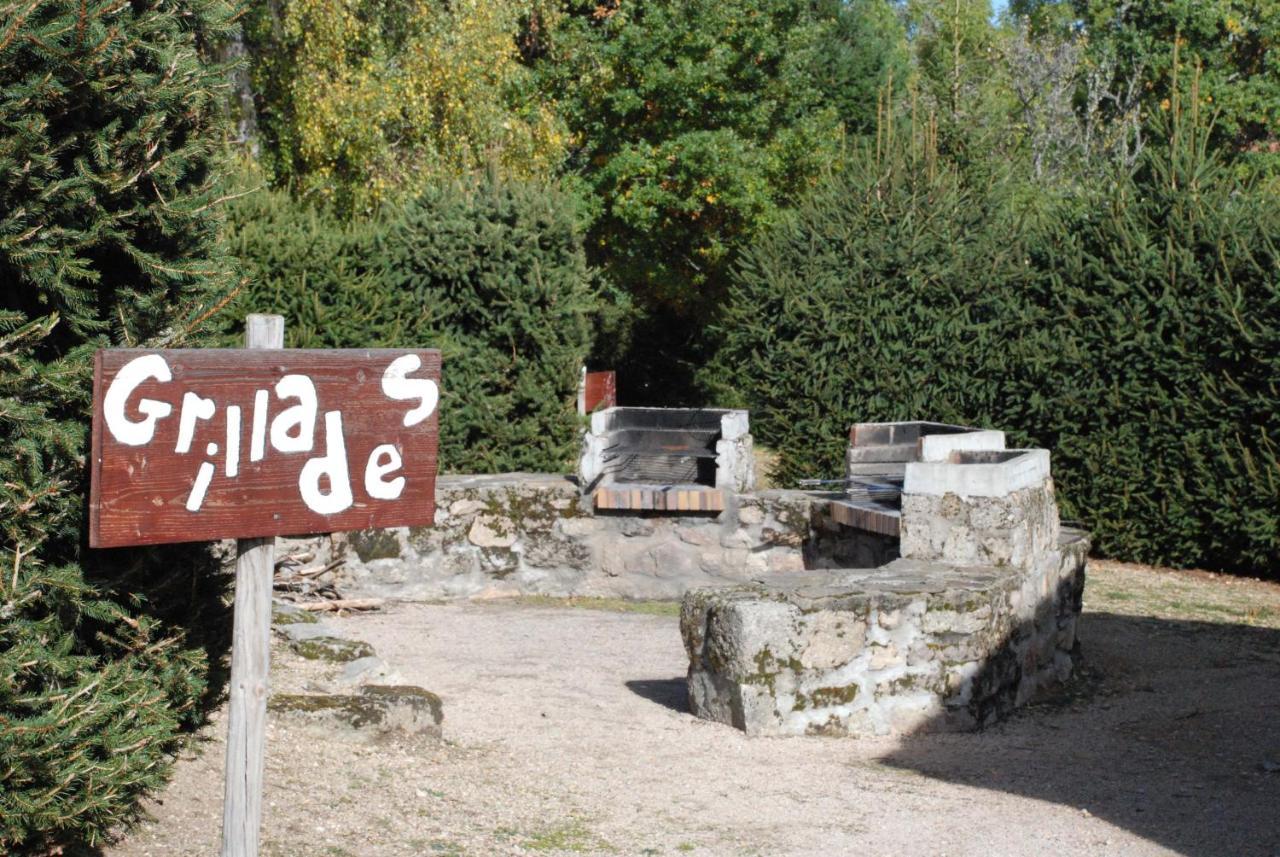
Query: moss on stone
(531, 510)
(281, 615)
(376, 706)
(766, 673)
(354, 711)
(825, 697)
(375, 544)
(334, 649)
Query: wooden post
(250, 659)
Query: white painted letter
(302, 415)
(203, 477)
(334, 465)
(193, 408)
(132, 374)
(374, 485)
(400, 388)
(233, 440)
(258, 435)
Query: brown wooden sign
(600, 390)
(199, 444)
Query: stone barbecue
(876, 462)
(666, 459)
(977, 614)
(937, 590)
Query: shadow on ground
(670, 693)
(1170, 729)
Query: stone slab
(938, 447)
(964, 478)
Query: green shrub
(490, 271)
(320, 271)
(880, 298)
(1157, 354)
(1133, 330)
(108, 236)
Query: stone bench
(912, 646)
(977, 614)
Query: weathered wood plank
(250, 663)
(210, 447)
(247, 706)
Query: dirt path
(567, 733)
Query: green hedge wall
(490, 271)
(1133, 329)
(1156, 359)
(109, 236)
(882, 298)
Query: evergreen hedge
(1133, 329)
(881, 298)
(108, 236)
(1156, 358)
(490, 271)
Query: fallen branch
(317, 569)
(295, 559)
(341, 604)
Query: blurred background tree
(362, 102)
(1235, 45)
(694, 124)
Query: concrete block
(978, 474)
(734, 425)
(938, 447)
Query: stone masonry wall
(518, 534)
(914, 646)
(978, 615)
(1010, 530)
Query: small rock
(635, 527)
(465, 507)
(577, 528)
(376, 708)
(737, 539)
(370, 670)
(333, 649)
(492, 531)
(305, 632)
(703, 536)
(283, 613)
(499, 562)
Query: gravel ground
(567, 733)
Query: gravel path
(568, 733)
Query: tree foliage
(367, 101)
(1134, 332)
(1233, 46)
(491, 271)
(108, 236)
(695, 123)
